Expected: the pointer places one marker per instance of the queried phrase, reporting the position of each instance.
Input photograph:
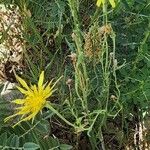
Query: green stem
(49, 106)
(81, 76)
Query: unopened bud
(69, 82)
(73, 57)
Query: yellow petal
(41, 79)
(19, 101)
(112, 2)
(23, 110)
(34, 88)
(22, 90)
(48, 95)
(17, 123)
(99, 3)
(21, 120)
(47, 88)
(18, 108)
(22, 82)
(9, 117)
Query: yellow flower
(34, 99)
(112, 2)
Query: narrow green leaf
(15, 141)
(3, 139)
(30, 146)
(65, 147)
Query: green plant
(103, 55)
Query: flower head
(34, 100)
(112, 2)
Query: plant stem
(81, 77)
(49, 106)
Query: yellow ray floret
(112, 2)
(34, 99)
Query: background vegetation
(103, 55)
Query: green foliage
(104, 57)
(30, 136)
(4, 109)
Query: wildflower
(112, 2)
(34, 99)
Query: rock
(9, 93)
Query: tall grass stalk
(82, 84)
(81, 77)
